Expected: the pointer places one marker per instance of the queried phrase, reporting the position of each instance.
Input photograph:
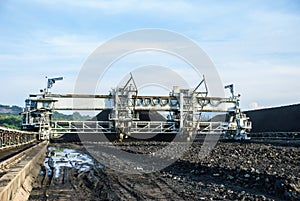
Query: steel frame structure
(10, 138)
(185, 108)
(62, 127)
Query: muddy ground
(232, 171)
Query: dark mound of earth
(232, 171)
(144, 115)
(277, 119)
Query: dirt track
(233, 171)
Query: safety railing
(212, 127)
(153, 127)
(10, 138)
(63, 127)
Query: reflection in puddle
(65, 157)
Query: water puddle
(72, 158)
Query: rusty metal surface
(11, 138)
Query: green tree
(10, 121)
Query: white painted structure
(184, 106)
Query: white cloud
(263, 82)
(71, 45)
(121, 6)
(255, 106)
(254, 45)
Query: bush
(10, 121)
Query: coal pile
(277, 119)
(233, 171)
(144, 115)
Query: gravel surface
(233, 171)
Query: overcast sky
(254, 44)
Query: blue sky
(254, 44)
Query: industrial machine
(185, 112)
